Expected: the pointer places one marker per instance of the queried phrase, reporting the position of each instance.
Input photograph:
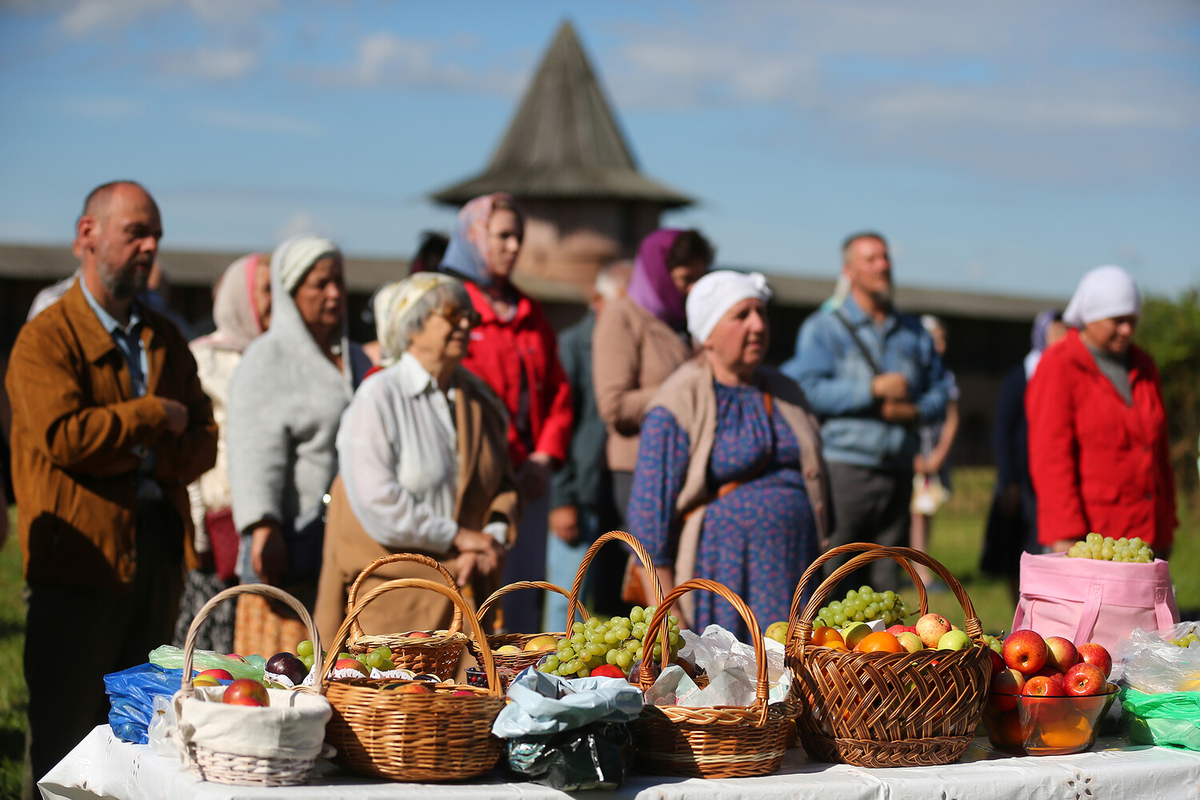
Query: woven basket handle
(603, 539)
(339, 638)
(814, 569)
(512, 587)
(352, 594)
(972, 626)
(264, 589)
(762, 689)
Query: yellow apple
(541, 643)
(508, 648)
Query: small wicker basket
(385, 733)
(885, 709)
(212, 764)
(717, 741)
(509, 664)
(438, 655)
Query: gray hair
(433, 300)
(613, 279)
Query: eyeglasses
(455, 315)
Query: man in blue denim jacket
(872, 375)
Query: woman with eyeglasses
(515, 352)
(424, 466)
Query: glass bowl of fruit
(1046, 725)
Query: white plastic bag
(162, 727)
(731, 668)
(1149, 662)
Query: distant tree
(1170, 331)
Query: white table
(103, 766)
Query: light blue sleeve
(931, 405)
(815, 368)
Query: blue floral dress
(758, 539)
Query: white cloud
(83, 17)
(213, 63)
(256, 122)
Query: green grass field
(956, 542)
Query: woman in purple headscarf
(641, 339)
(1012, 522)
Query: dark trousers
(106, 631)
(869, 505)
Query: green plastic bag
(1168, 718)
(170, 657)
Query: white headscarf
(716, 293)
(1104, 293)
(298, 255)
(394, 303)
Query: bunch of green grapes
(1106, 548)
(1187, 639)
(380, 658)
(864, 605)
(618, 642)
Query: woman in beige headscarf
(424, 466)
(241, 311)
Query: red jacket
(500, 352)
(1098, 464)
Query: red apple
(931, 628)
(1006, 685)
(352, 663)
(1055, 678)
(1063, 654)
(997, 661)
(246, 692)
(896, 630)
(607, 671)
(1084, 679)
(1012, 731)
(1043, 700)
(414, 688)
(1043, 686)
(463, 693)
(1025, 651)
(1097, 656)
(418, 635)
(217, 673)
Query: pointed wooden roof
(564, 142)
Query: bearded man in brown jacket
(109, 426)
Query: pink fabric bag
(1087, 600)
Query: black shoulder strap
(854, 335)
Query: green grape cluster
(380, 658)
(1106, 548)
(864, 605)
(617, 641)
(1186, 639)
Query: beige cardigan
(633, 352)
(690, 398)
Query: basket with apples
(882, 705)
(413, 730)
(244, 733)
(429, 652)
(1049, 696)
(514, 652)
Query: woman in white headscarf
(285, 403)
(423, 449)
(1098, 447)
(242, 312)
(730, 483)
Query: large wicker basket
(385, 733)
(885, 709)
(510, 664)
(439, 654)
(716, 741)
(210, 763)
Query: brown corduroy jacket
(75, 426)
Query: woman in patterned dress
(730, 484)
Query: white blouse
(398, 455)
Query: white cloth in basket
(293, 726)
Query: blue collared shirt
(836, 377)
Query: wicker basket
(388, 734)
(438, 655)
(509, 664)
(885, 709)
(717, 741)
(211, 764)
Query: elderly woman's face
(445, 335)
(740, 339)
(1114, 334)
(505, 233)
(321, 296)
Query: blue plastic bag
(131, 696)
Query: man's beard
(883, 296)
(123, 283)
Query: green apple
(777, 631)
(910, 641)
(954, 640)
(854, 633)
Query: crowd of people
(150, 473)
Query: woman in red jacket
(514, 350)
(1097, 427)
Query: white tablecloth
(103, 766)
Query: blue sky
(1003, 147)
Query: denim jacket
(836, 377)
